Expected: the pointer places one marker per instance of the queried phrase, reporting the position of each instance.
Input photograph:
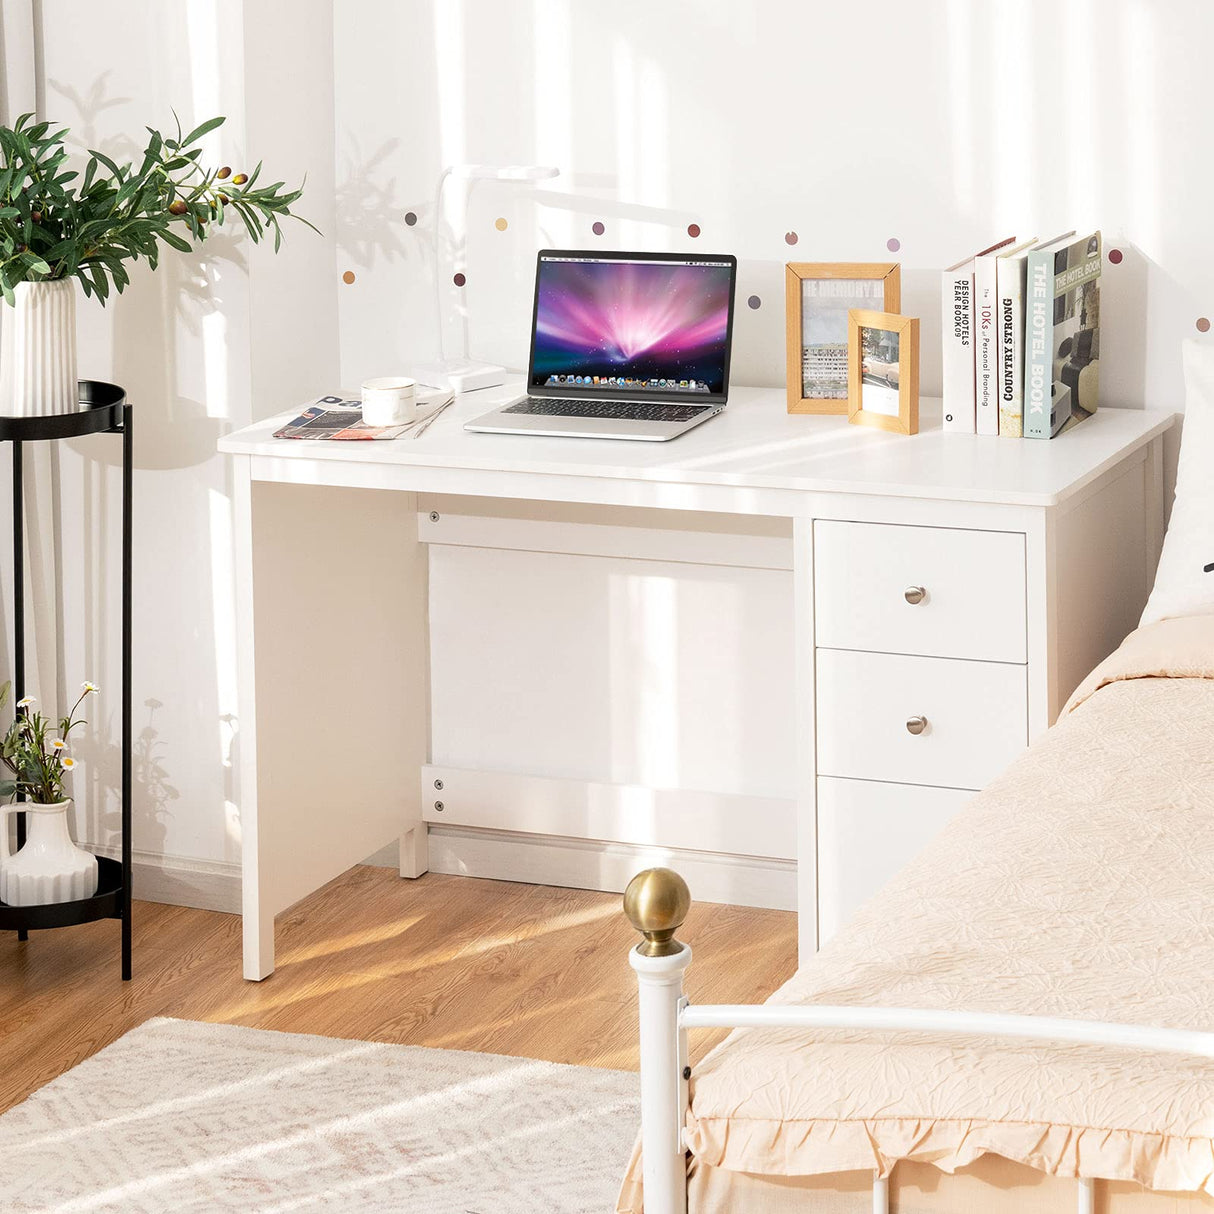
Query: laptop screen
(621, 324)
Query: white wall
(786, 130)
(942, 124)
(208, 343)
(848, 124)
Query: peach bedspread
(1078, 884)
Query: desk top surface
(754, 444)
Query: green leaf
(100, 283)
(202, 129)
(105, 160)
(171, 238)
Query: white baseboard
(181, 881)
(386, 857)
(499, 856)
(585, 864)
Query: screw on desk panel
(434, 516)
(438, 805)
(687, 1072)
(439, 785)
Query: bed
(1069, 904)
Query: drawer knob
(916, 725)
(914, 595)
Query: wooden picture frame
(883, 371)
(876, 284)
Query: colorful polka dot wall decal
(790, 238)
(754, 302)
(500, 223)
(348, 277)
(1115, 256)
(410, 217)
(598, 227)
(459, 279)
(893, 244)
(1203, 324)
(693, 230)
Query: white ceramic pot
(49, 867)
(38, 350)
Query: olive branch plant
(59, 222)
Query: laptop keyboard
(564, 407)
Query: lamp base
(459, 375)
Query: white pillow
(1182, 585)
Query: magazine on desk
(340, 418)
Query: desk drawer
(972, 582)
(976, 717)
(867, 832)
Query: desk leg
(257, 915)
(807, 762)
(415, 851)
(334, 702)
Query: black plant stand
(103, 410)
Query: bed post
(656, 903)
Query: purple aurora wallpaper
(655, 324)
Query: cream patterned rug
(183, 1116)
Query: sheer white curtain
(20, 93)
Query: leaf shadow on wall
(371, 216)
(185, 326)
(155, 310)
(152, 787)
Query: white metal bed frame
(657, 902)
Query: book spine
(957, 326)
(1038, 341)
(1010, 279)
(986, 339)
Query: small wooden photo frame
(883, 371)
(818, 297)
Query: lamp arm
(438, 292)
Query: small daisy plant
(38, 759)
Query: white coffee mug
(389, 401)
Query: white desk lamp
(465, 374)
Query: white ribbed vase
(38, 350)
(49, 867)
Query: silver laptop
(624, 345)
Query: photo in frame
(818, 298)
(883, 371)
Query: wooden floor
(441, 961)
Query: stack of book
(1021, 326)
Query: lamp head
(504, 172)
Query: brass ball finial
(656, 903)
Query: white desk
(333, 649)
